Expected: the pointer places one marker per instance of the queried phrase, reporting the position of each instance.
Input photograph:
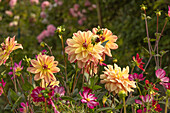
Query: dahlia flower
(43, 68)
(81, 49)
(52, 83)
(107, 35)
(156, 106)
(116, 80)
(134, 76)
(138, 61)
(59, 90)
(1, 86)
(88, 98)
(7, 47)
(37, 95)
(145, 99)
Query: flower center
(45, 66)
(85, 45)
(102, 38)
(40, 95)
(88, 99)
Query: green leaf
(7, 107)
(104, 109)
(67, 98)
(27, 86)
(17, 102)
(146, 50)
(104, 43)
(119, 106)
(96, 87)
(13, 95)
(131, 100)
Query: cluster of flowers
(75, 11)
(46, 33)
(87, 50)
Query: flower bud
(122, 94)
(42, 44)
(143, 7)
(0, 85)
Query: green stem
(124, 104)
(74, 81)
(13, 75)
(166, 105)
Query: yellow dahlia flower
(7, 47)
(43, 68)
(81, 49)
(52, 83)
(116, 80)
(104, 36)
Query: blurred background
(33, 21)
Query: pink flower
(76, 7)
(16, 68)
(43, 14)
(34, 1)
(87, 3)
(138, 61)
(80, 22)
(141, 111)
(160, 73)
(58, 2)
(9, 13)
(51, 29)
(59, 90)
(12, 3)
(134, 76)
(72, 12)
(169, 11)
(24, 108)
(1, 86)
(37, 95)
(45, 4)
(88, 98)
(145, 99)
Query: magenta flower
(16, 68)
(169, 11)
(160, 74)
(24, 108)
(134, 76)
(88, 98)
(37, 95)
(138, 62)
(2, 84)
(145, 99)
(141, 111)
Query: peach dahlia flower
(43, 68)
(81, 49)
(7, 47)
(116, 80)
(106, 35)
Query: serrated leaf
(67, 98)
(104, 109)
(104, 43)
(131, 100)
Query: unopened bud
(42, 44)
(122, 94)
(143, 7)
(168, 92)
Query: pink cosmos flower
(34, 1)
(58, 2)
(160, 74)
(12, 3)
(141, 111)
(37, 95)
(169, 11)
(24, 108)
(59, 90)
(73, 13)
(138, 61)
(88, 98)
(145, 99)
(134, 76)
(45, 4)
(1, 86)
